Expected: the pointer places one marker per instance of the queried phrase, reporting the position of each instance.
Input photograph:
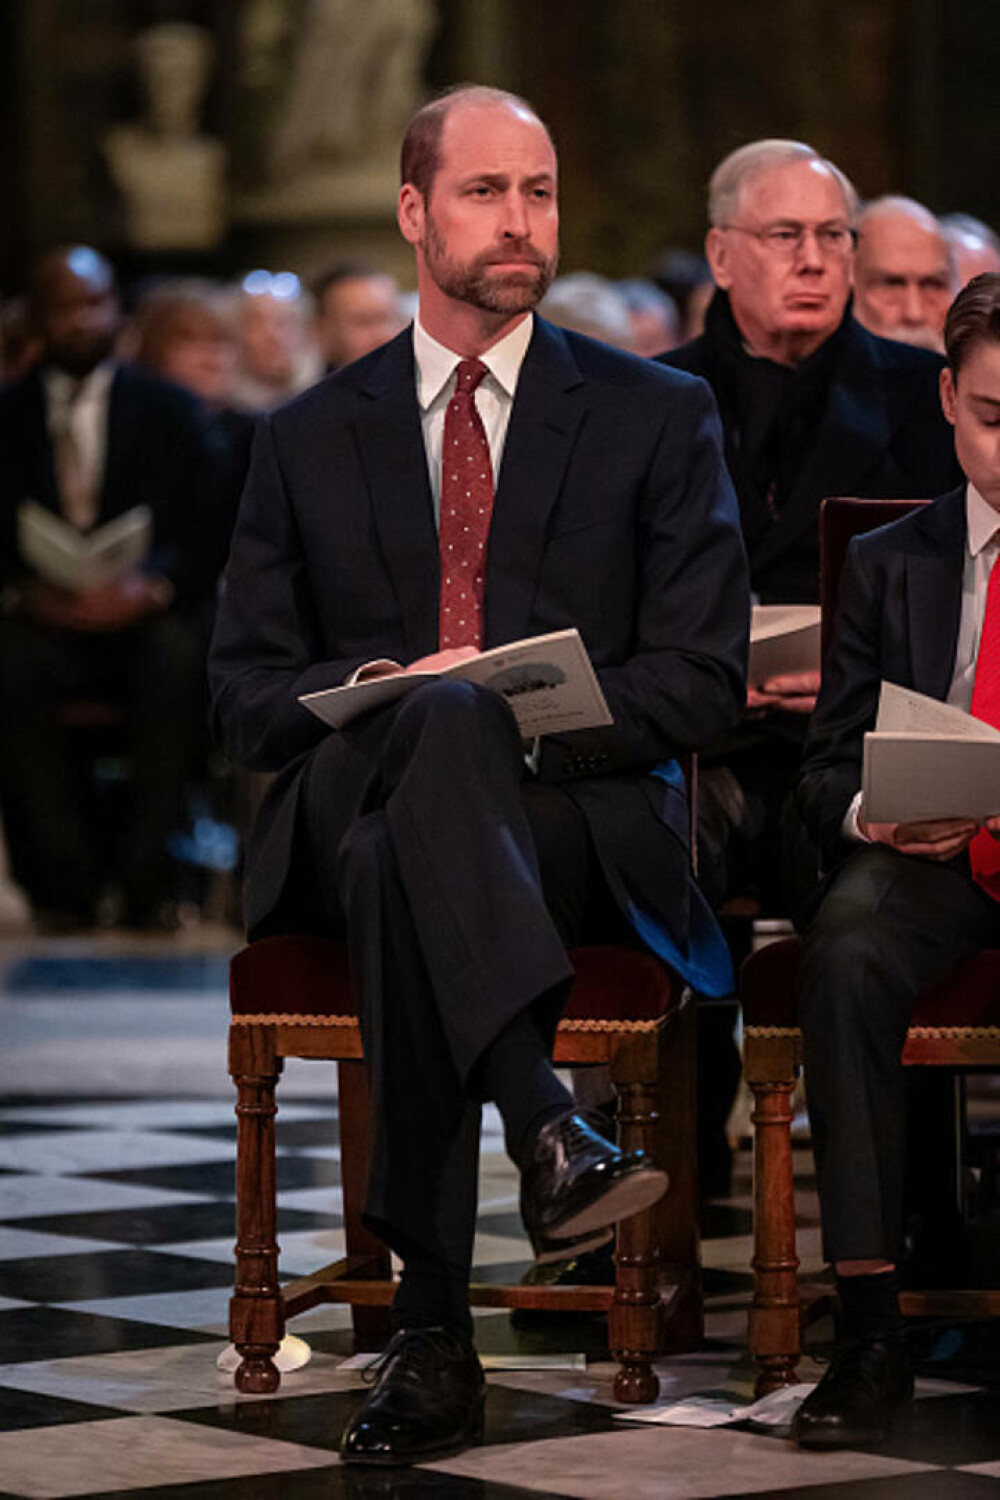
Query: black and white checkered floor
(116, 1230)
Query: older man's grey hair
(740, 167)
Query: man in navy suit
(88, 438)
(459, 875)
(904, 903)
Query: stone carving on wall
(355, 75)
(171, 177)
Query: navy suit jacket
(897, 618)
(613, 513)
(159, 451)
(882, 436)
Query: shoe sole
(547, 1254)
(628, 1196)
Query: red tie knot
(468, 374)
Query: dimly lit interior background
(643, 97)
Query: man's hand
(795, 692)
(112, 606)
(939, 838)
(439, 660)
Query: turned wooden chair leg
(256, 1316)
(676, 1216)
(633, 1321)
(774, 1312)
(371, 1324)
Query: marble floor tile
(23, 1409)
(80, 1151)
(202, 1308)
(113, 1274)
(32, 1333)
(327, 1199)
(20, 1244)
(166, 1224)
(667, 1463)
(171, 1378)
(302, 1251)
(23, 1196)
(86, 1457)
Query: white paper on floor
(493, 1361)
(292, 1354)
(775, 1410)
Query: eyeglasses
(785, 241)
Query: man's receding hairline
(813, 163)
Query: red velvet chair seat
(306, 980)
(967, 1000)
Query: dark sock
(869, 1306)
(517, 1074)
(432, 1294)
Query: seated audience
(812, 404)
(355, 310)
(586, 303)
(656, 322)
(902, 903)
(975, 246)
(277, 356)
(185, 331)
(904, 272)
(685, 276)
(89, 439)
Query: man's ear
(949, 395)
(410, 212)
(717, 255)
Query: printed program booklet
(783, 638)
(78, 560)
(926, 759)
(548, 680)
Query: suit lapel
(548, 407)
(123, 403)
(391, 444)
(934, 597)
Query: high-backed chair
(292, 997)
(955, 1025)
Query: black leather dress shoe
(426, 1402)
(577, 1182)
(868, 1383)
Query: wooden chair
(292, 997)
(956, 1025)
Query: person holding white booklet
(482, 479)
(903, 902)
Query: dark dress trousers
(159, 452)
(415, 830)
(885, 925)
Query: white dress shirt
(494, 396)
(982, 545)
(82, 405)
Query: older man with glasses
(812, 404)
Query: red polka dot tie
(466, 507)
(984, 850)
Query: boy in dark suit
(919, 606)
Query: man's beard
(471, 282)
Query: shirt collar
(61, 387)
(436, 364)
(982, 521)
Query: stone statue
(355, 80)
(171, 178)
